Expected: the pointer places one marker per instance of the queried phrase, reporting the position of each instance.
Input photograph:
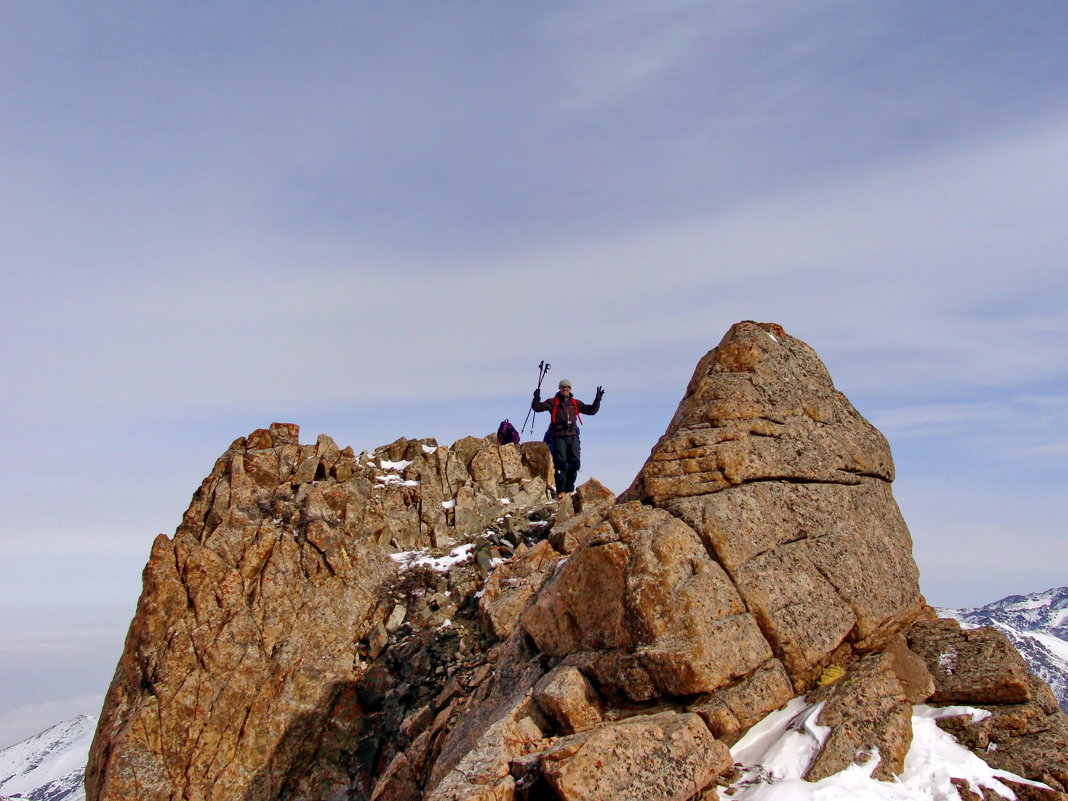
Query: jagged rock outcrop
(256, 617)
(866, 708)
(584, 649)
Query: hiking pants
(566, 462)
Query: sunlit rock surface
(424, 622)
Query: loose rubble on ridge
(420, 623)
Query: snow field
(776, 752)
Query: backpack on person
(506, 434)
(556, 408)
(550, 440)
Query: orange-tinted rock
(592, 648)
(668, 756)
(970, 666)
(910, 669)
(867, 712)
(509, 588)
(642, 584)
(568, 699)
(761, 406)
(788, 486)
(737, 706)
(1028, 739)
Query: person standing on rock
(563, 434)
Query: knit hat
(565, 383)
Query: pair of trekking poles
(543, 368)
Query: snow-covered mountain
(1037, 624)
(49, 766)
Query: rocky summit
(423, 623)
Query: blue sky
(375, 220)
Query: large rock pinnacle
(788, 488)
(761, 407)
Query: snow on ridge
(1055, 645)
(1053, 602)
(394, 480)
(777, 751)
(392, 477)
(782, 746)
(410, 559)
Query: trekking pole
(543, 368)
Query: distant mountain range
(50, 766)
(1037, 624)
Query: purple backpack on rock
(506, 434)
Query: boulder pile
(422, 624)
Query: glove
(600, 393)
(537, 396)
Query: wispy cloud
(1004, 432)
(890, 273)
(621, 48)
(612, 52)
(1054, 449)
(934, 419)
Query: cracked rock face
(642, 604)
(668, 756)
(788, 488)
